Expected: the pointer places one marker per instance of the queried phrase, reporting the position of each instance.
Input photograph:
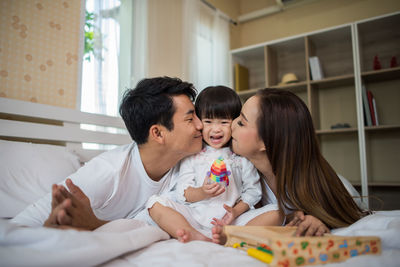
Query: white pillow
(27, 172)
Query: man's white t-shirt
(115, 182)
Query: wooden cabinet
(368, 156)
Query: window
(106, 62)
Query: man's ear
(156, 133)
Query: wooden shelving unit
(381, 75)
(366, 155)
(337, 81)
(335, 131)
(382, 127)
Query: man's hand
(212, 190)
(57, 207)
(308, 225)
(72, 209)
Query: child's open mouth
(216, 139)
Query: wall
(311, 16)
(39, 42)
(165, 38)
(232, 9)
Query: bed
(41, 145)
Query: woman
(275, 132)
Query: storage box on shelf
(346, 56)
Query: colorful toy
(218, 173)
(278, 246)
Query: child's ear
(156, 133)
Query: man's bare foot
(218, 235)
(185, 236)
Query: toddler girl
(214, 186)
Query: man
(159, 115)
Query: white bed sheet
(385, 224)
(132, 243)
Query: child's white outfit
(244, 184)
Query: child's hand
(212, 190)
(228, 218)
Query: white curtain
(120, 56)
(205, 45)
(221, 58)
(139, 50)
(100, 78)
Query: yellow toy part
(260, 255)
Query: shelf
(336, 57)
(336, 81)
(337, 131)
(283, 58)
(379, 184)
(249, 92)
(381, 75)
(367, 128)
(368, 153)
(294, 87)
(253, 61)
(382, 127)
(298, 86)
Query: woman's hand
(308, 225)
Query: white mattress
(132, 243)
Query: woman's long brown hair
(305, 180)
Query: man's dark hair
(218, 102)
(151, 103)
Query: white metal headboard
(26, 121)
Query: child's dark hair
(218, 102)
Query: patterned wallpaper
(39, 43)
